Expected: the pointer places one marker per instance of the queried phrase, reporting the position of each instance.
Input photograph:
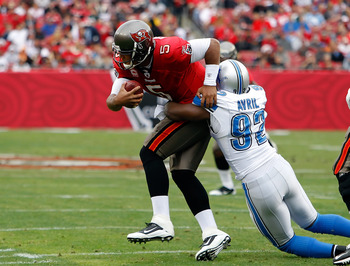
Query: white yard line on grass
(28, 262)
(16, 255)
(233, 210)
(101, 228)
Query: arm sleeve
(199, 48)
(117, 84)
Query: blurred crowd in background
(268, 34)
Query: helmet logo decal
(141, 35)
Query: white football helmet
(233, 77)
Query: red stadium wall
(296, 100)
(56, 99)
(305, 100)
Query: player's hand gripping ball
(130, 84)
(137, 95)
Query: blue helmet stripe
(240, 76)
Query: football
(130, 84)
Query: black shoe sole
(144, 240)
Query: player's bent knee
(146, 155)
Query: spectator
(51, 21)
(346, 62)
(295, 23)
(302, 25)
(4, 64)
(18, 36)
(310, 61)
(35, 12)
(245, 40)
(90, 33)
(22, 65)
(326, 63)
(313, 18)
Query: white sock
(161, 213)
(206, 222)
(226, 178)
(160, 205)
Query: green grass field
(66, 216)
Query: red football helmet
(133, 38)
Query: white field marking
(57, 228)
(68, 130)
(133, 197)
(27, 255)
(73, 196)
(42, 161)
(30, 262)
(233, 210)
(325, 147)
(141, 252)
(7, 250)
(200, 170)
(68, 196)
(57, 162)
(279, 132)
(310, 171)
(324, 197)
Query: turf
(71, 216)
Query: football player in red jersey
(169, 67)
(341, 167)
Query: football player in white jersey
(273, 194)
(228, 51)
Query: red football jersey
(171, 75)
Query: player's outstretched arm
(181, 112)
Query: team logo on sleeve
(140, 36)
(187, 49)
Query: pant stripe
(342, 157)
(257, 219)
(164, 134)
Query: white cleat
(152, 232)
(212, 246)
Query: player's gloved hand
(348, 98)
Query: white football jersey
(238, 126)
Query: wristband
(211, 72)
